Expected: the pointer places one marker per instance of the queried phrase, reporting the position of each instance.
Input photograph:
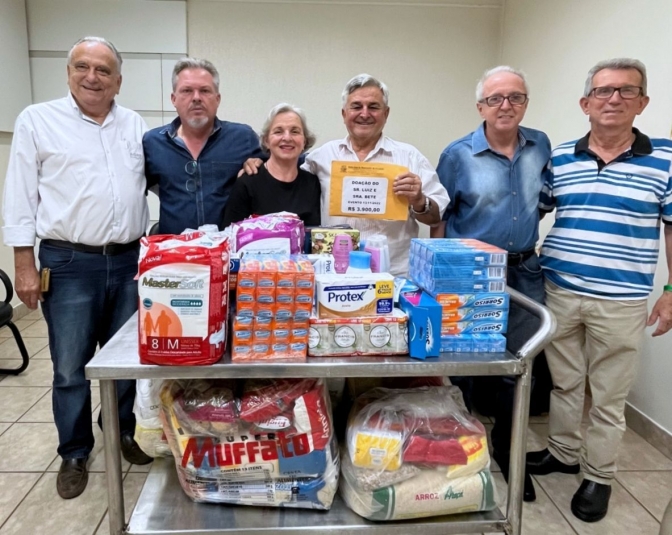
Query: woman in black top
(279, 185)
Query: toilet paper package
(349, 296)
(369, 335)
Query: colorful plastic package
(260, 442)
(183, 298)
(413, 453)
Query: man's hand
(662, 313)
(409, 185)
(250, 166)
(27, 278)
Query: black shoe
(529, 494)
(72, 478)
(591, 501)
(132, 452)
(543, 462)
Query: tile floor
(29, 504)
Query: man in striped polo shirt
(610, 190)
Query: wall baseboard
(644, 426)
(20, 311)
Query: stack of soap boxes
(274, 298)
(468, 279)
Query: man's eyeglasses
(627, 92)
(515, 99)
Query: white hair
(102, 41)
(617, 64)
(496, 70)
(195, 63)
(364, 80)
(283, 107)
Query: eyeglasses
(627, 92)
(515, 99)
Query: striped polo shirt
(606, 234)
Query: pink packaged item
(279, 233)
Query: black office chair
(6, 313)
(154, 229)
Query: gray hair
(617, 64)
(283, 107)
(364, 80)
(194, 63)
(496, 70)
(102, 41)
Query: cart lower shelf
(163, 508)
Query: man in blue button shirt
(195, 159)
(493, 177)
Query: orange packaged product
(241, 351)
(287, 272)
(305, 278)
(265, 295)
(268, 274)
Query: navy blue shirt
(195, 192)
(492, 198)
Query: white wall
(556, 43)
(304, 52)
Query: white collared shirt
(399, 233)
(71, 179)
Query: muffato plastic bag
(259, 442)
(148, 428)
(413, 453)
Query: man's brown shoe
(72, 478)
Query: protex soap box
(347, 296)
(424, 323)
(482, 300)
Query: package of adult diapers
(414, 453)
(183, 292)
(278, 233)
(256, 442)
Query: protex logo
(489, 328)
(188, 284)
(490, 314)
(489, 302)
(345, 297)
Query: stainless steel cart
(164, 509)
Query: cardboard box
(424, 323)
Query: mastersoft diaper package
(183, 292)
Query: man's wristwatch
(425, 210)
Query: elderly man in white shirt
(365, 112)
(76, 181)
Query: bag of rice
(415, 452)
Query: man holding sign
(371, 182)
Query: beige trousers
(598, 340)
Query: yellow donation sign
(364, 189)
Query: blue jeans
(90, 297)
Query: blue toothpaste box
(424, 323)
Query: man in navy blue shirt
(195, 159)
(493, 177)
